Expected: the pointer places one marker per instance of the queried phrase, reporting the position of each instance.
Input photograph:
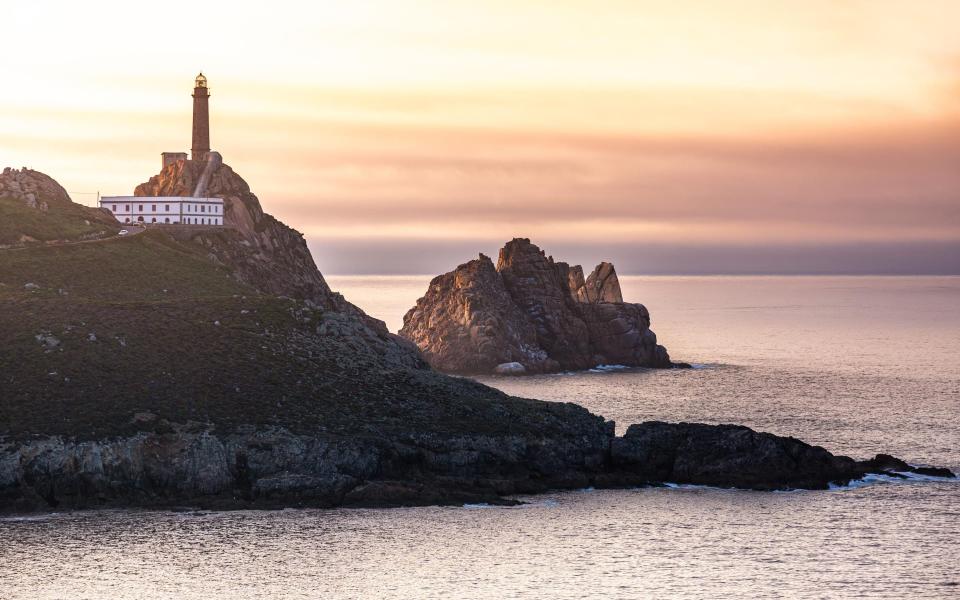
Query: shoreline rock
(533, 311)
(275, 468)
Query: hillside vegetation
(107, 338)
(35, 208)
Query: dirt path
(132, 231)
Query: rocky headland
(530, 314)
(267, 255)
(215, 368)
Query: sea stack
(530, 314)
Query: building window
(166, 207)
(139, 208)
(153, 220)
(167, 220)
(153, 208)
(127, 220)
(127, 208)
(203, 209)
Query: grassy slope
(158, 349)
(67, 222)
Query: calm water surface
(858, 365)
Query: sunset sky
(404, 137)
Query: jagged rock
(530, 310)
(469, 322)
(576, 283)
(539, 288)
(602, 285)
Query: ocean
(858, 365)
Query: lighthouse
(201, 120)
(197, 209)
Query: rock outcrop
(727, 456)
(35, 208)
(533, 311)
(602, 285)
(276, 468)
(33, 188)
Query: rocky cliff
(264, 252)
(35, 208)
(267, 254)
(530, 310)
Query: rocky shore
(233, 377)
(530, 314)
(276, 468)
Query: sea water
(859, 365)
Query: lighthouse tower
(196, 209)
(201, 120)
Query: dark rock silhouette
(533, 311)
(727, 456)
(275, 468)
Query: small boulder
(47, 340)
(510, 368)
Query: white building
(165, 209)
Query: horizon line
(690, 274)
